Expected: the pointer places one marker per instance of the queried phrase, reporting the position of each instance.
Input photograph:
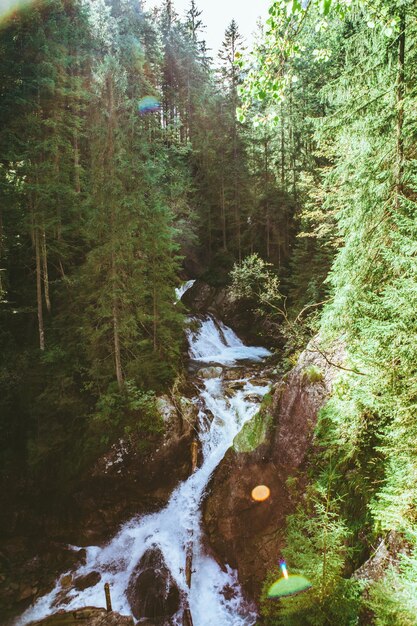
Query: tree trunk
(235, 187)
(292, 145)
(77, 183)
(1, 251)
(35, 235)
(235, 155)
(45, 270)
(400, 107)
(117, 357)
(113, 277)
(223, 214)
(155, 322)
(268, 219)
(282, 148)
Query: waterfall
(180, 291)
(178, 525)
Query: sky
(217, 15)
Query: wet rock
(152, 592)
(260, 382)
(210, 372)
(229, 592)
(89, 580)
(66, 581)
(235, 385)
(189, 415)
(29, 575)
(254, 397)
(166, 408)
(249, 535)
(235, 373)
(88, 616)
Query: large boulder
(248, 535)
(152, 592)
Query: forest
(132, 159)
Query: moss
(312, 374)
(254, 432)
(267, 400)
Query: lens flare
(8, 7)
(148, 104)
(288, 585)
(261, 493)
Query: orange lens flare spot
(261, 493)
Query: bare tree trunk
(236, 194)
(155, 324)
(268, 219)
(223, 214)
(77, 182)
(1, 250)
(117, 357)
(45, 270)
(115, 304)
(292, 144)
(282, 148)
(235, 156)
(400, 107)
(41, 328)
(210, 244)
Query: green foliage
(87, 231)
(271, 73)
(255, 280)
(317, 547)
(392, 600)
(131, 414)
(364, 209)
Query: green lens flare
(148, 104)
(288, 586)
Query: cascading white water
(180, 291)
(179, 523)
(217, 343)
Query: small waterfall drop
(180, 291)
(214, 597)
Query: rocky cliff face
(249, 535)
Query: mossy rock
(312, 374)
(253, 433)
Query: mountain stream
(214, 597)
